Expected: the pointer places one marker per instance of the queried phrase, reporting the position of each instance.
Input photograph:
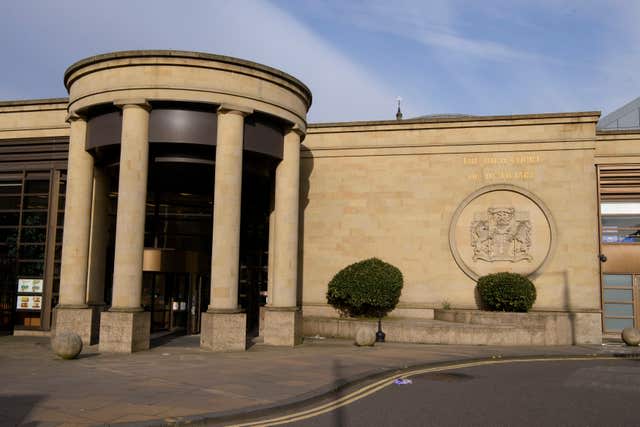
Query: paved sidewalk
(177, 379)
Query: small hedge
(369, 288)
(506, 292)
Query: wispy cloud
(436, 24)
(40, 39)
(489, 57)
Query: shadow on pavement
(15, 409)
(167, 339)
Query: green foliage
(446, 305)
(369, 288)
(506, 292)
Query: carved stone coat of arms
(501, 234)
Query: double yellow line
(380, 384)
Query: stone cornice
(177, 54)
(582, 116)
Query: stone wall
(391, 190)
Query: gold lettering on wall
(524, 159)
(513, 168)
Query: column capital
(129, 102)
(234, 109)
(73, 116)
(297, 130)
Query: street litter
(403, 381)
(316, 337)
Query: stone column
(72, 313)
(98, 249)
(125, 327)
(283, 319)
(224, 325)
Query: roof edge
(595, 114)
(27, 102)
(630, 131)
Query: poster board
(30, 286)
(29, 295)
(29, 302)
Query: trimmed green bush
(369, 288)
(506, 292)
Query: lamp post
(380, 335)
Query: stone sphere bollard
(67, 345)
(365, 337)
(631, 336)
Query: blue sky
(440, 56)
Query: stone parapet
(532, 329)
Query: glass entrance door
(619, 297)
(169, 297)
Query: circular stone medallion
(501, 228)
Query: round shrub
(369, 288)
(506, 292)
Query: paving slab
(178, 379)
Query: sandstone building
(180, 190)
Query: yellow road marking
(380, 384)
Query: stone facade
(444, 199)
(391, 190)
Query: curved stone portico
(112, 99)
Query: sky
(489, 57)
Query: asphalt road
(567, 393)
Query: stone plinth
(82, 321)
(283, 326)
(223, 331)
(124, 331)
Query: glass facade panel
(34, 218)
(32, 251)
(618, 295)
(37, 186)
(621, 228)
(9, 218)
(8, 236)
(618, 280)
(618, 310)
(10, 187)
(33, 234)
(616, 325)
(36, 202)
(9, 202)
(31, 268)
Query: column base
(82, 321)
(124, 331)
(283, 326)
(223, 331)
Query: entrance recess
(178, 234)
(175, 300)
